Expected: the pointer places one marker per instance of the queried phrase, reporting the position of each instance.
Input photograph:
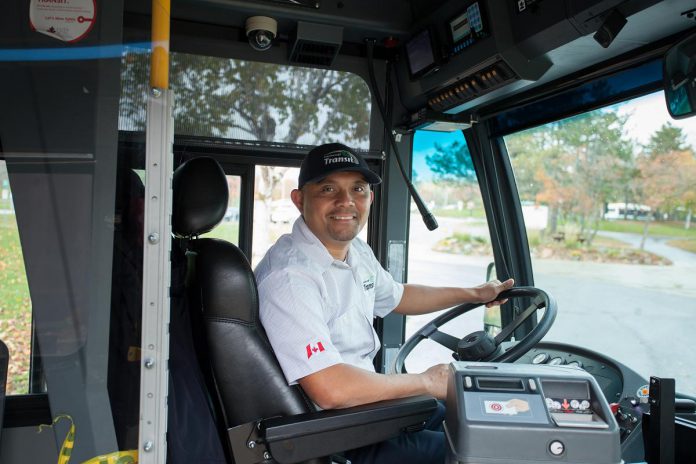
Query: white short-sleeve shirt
(318, 311)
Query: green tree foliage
(574, 166)
(452, 163)
(217, 97)
(666, 139)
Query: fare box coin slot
(499, 384)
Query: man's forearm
(421, 299)
(343, 386)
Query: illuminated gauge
(575, 364)
(541, 358)
(557, 361)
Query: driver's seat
(267, 420)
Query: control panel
(509, 413)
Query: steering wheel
(480, 346)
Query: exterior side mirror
(679, 71)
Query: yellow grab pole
(159, 64)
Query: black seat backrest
(246, 374)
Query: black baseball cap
(326, 159)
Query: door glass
(458, 252)
(608, 199)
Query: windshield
(608, 199)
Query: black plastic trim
(27, 410)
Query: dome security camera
(261, 30)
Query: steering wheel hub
(476, 346)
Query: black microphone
(428, 218)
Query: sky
(647, 115)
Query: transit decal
(66, 20)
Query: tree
(574, 166)
(454, 170)
(452, 163)
(666, 139)
(669, 181)
(599, 157)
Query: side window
(228, 229)
(274, 211)
(459, 251)
(15, 304)
(608, 199)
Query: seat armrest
(293, 439)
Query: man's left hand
(488, 292)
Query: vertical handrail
(157, 246)
(159, 60)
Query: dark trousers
(424, 447)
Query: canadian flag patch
(314, 349)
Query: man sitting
(320, 288)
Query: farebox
(515, 413)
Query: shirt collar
(313, 248)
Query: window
(15, 303)
(249, 101)
(228, 229)
(458, 252)
(608, 198)
(274, 211)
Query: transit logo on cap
(340, 156)
(324, 160)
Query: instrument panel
(625, 389)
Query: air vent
(316, 44)
(473, 86)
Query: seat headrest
(200, 197)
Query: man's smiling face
(335, 208)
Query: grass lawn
(225, 230)
(667, 229)
(15, 306)
(684, 244)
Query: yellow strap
(118, 457)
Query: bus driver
(320, 288)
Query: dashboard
(620, 385)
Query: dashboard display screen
(420, 54)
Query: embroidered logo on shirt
(369, 284)
(314, 349)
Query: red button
(614, 407)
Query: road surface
(643, 316)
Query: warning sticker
(66, 20)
